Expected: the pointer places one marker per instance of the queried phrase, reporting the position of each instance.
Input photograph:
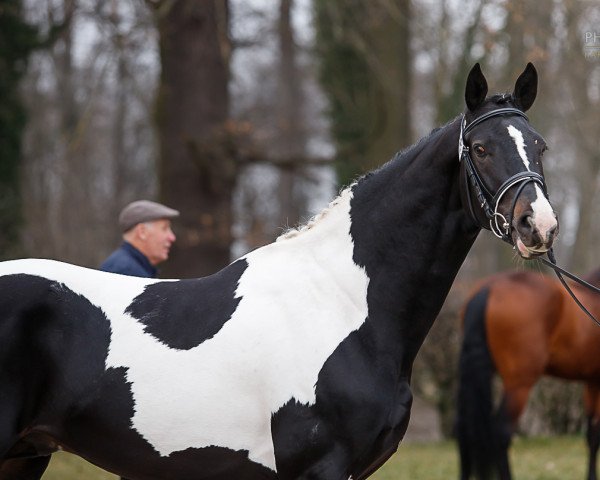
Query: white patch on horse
(543, 217)
(517, 136)
(300, 298)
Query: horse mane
(295, 231)
(400, 158)
(502, 98)
(404, 157)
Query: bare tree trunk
(119, 125)
(72, 188)
(292, 139)
(387, 50)
(196, 171)
(366, 67)
(582, 126)
(449, 82)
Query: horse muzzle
(534, 231)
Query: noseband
(498, 224)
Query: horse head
(503, 183)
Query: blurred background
(249, 115)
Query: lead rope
(551, 262)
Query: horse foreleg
(592, 407)
(593, 441)
(23, 468)
(505, 424)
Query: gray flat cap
(144, 211)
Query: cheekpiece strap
(483, 195)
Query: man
(147, 239)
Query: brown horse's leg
(23, 468)
(505, 424)
(518, 341)
(592, 408)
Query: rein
(485, 199)
(551, 262)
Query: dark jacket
(128, 260)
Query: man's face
(157, 238)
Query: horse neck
(325, 241)
(405, 228)
(411, 234)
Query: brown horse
(522, 326)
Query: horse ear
(526, 88)
(476, 89)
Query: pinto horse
(293, 362)
(522, 325)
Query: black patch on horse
(54, 348)
(109, 415)
(303, 434)
(185, 313)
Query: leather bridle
(486, 200)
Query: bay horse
(293, 362)
(522, 325)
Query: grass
(555, 458)
(65, 466)
(532, 459)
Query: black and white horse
(293, 362)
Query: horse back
(577, 339)
(520, 321)
(534, 328)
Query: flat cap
(144, 211)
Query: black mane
(408, 153)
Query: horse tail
(474, 423)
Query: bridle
(484, 197)
(486, 200)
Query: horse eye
(479, 150)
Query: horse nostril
(526, 222)
(552, 232)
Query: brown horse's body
(531, 327)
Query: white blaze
(517, 136)
(543, 215)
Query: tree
(582, 126)
(291, 142)
(366, 63)
(89, 145)
(197, 168)
(18, 39)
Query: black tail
(474, 427)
